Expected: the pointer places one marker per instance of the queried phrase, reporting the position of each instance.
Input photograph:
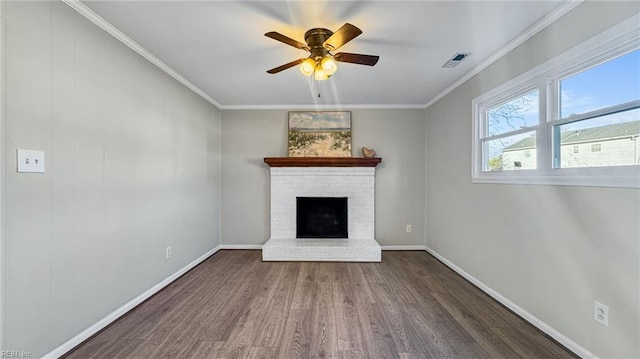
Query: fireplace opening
(321, 217)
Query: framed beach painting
(320, 134)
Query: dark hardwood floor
(233, 305)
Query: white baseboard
(240, 246)
(384, 248)
(87, 333)
(403, 248)
(547, 329)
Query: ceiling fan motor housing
(315, 38)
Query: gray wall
(132, 166)
(250, 135)
(552, 250)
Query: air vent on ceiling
(456, 59)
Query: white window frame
(614, 42)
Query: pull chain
(315, 82)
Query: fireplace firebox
(321, 217)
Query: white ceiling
(220, 47)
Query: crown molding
(334, 107)
(519, 40)
(83, 10)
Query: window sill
(561, 180)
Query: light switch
(30, 161)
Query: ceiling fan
(320, 42)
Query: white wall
(132, 166)
(250, 135)
(551, 250)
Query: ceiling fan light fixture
(328, 65)
(320, 74)
(307, 67)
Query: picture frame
(319, 134)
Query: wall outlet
(408, 229)
(168, 253)
(601, 313)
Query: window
(530, 129)
(508, 133)
(600, 103)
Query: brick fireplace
(350, 178)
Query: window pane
(511, 153)
(612, 83)
(513, 115)
(610, 140)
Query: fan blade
(344, 34)
(359, 59)
(286, 66)
(287, 40)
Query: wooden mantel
(322, 161)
